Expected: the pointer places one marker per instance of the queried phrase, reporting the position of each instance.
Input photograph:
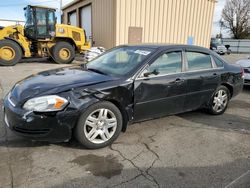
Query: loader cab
(40, 22)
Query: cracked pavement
(187, 150)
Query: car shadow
(46, 60)
(226, 122)
(37, 60)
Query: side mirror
(154, 72)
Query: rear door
(202, 78)
(163, 91)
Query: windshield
(119, 61)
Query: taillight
(242, 72)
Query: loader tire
(63, 53)
(10, 53)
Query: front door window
(168, 63)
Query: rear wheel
(99, 125)
(10, 53)
(219, 101)
(63, 53)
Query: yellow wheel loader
(41, 37)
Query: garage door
(72, 18)
(86, 20)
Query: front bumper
(55, 127)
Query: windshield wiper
(97, 71)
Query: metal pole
(61, 11)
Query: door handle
(179, 80)
(215, 74)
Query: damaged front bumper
(52, 127)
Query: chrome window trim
(218, 68)
(210, 69)
(213, 62)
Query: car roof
(167, 46)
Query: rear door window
(218, 62)
(198, 61)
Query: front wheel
(99, 125)
(219, 101)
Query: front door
(160, 89)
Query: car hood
(55, 81)
(244, 63)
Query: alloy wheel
(100, 126)
(220, 101)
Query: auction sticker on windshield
(142, 52)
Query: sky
(217, 16)
(13, 10)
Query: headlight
(50, 103)
(214, 48)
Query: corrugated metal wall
(238, 45)
(103, 29)
(165, 21)
(103, 23)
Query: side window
(51, 18)
(218, 62)
(167, 63)
(198, 61)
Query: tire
(95, 125)
(219, 106)
(63, 53)
(10, 53)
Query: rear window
(198, 61)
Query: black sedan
(97, 101)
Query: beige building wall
(162, 21)
(165, 21)
(103, 15)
